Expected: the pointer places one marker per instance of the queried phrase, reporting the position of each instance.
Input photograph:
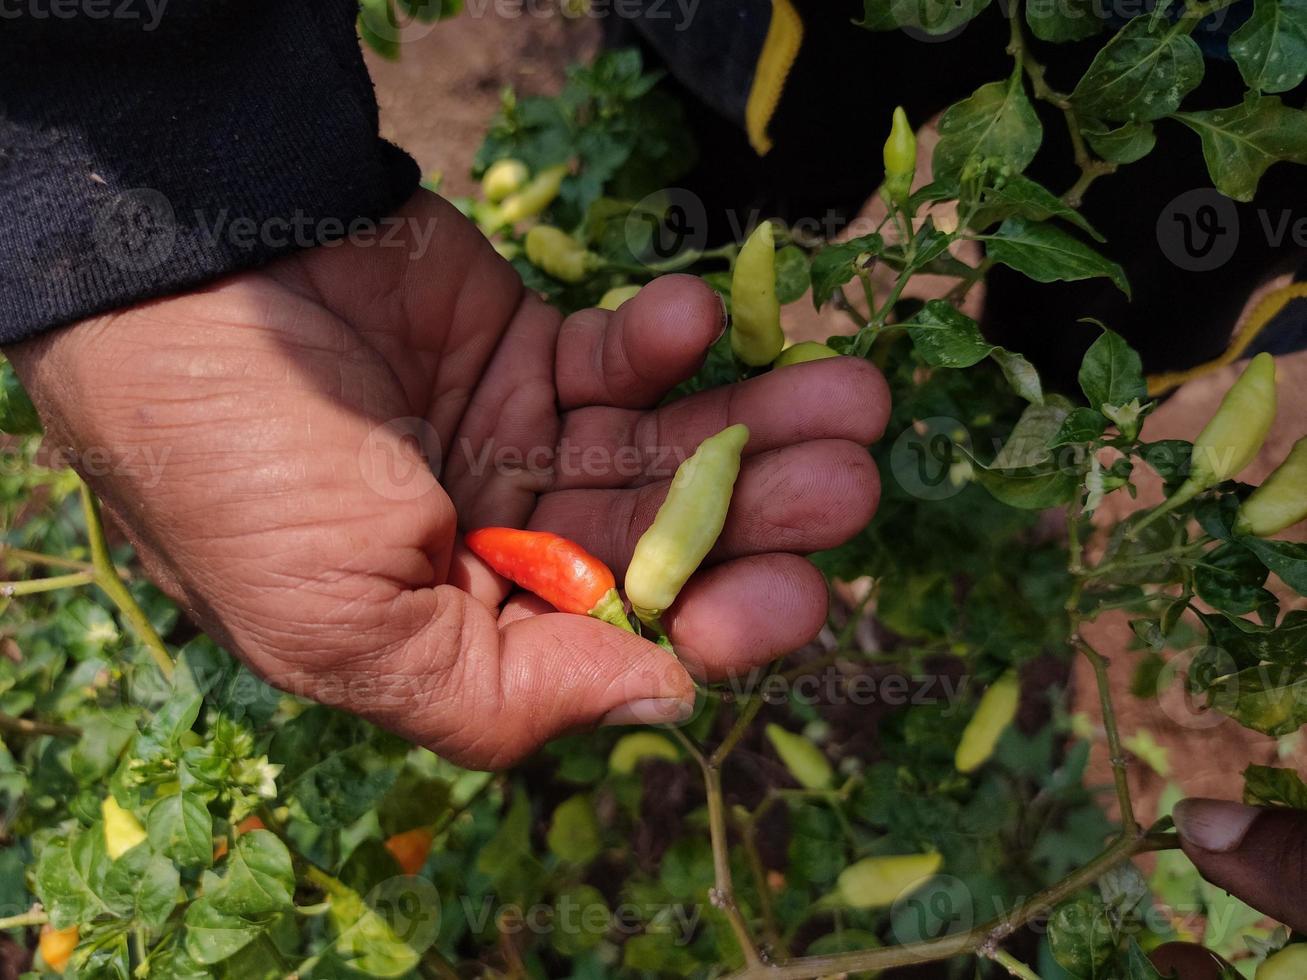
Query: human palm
(294, 450)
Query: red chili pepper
(557, 570)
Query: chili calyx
(557, 570)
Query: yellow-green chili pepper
(900, 158)
(503, 177)
(756, 335)
(630, 749)
(1289, 963)
(122, 831)
(1281, 500)
(1232, 437)
(877, 882)
(616, 296)
(806, 762)
(808, 350)
(997, 708)
(687, 525)
(559, 254)
(537, 195)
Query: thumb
(1257, 854)
(485, 694)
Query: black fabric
(169, 142)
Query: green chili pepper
(900, 159)
(1289, 963)
(806, 762)
(503, 177)
(878, 882)
(630, 749)
(997, 708)
(559, 254)
(808, 350)
(1232, 437)
(687, 525)
(1281, 500)
(756, 335)
(616, 296)
(537, 195)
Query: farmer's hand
(1258, 854)
(260, 462)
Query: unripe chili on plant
(806, 762)
(1231, 439)
(56, 946)
(503, 177)
(557, 570)
(122, 831)
(559, 254)
(900, 158)
(997, 709)
(808, 350)
(616, 296)
(756, 336)
(537, 195)
(878, 882)
(1289, 963)
(1281, 500)
(687, 524)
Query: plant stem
(1013, 965)
(52, 561)
(741, 726)
(32, 917)
(106, 577)
(25, 726)
(35, 585)
(722, 895)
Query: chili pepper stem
(1186, 493)
(610, 610)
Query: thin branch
(106, 577)
(1013, 965)
(722, 895)
(26, 726)
(35, 585)
(36, 916)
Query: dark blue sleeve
(148, 146)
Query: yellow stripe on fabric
(779, 49)
(1263, 313)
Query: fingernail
(726, 316)
(650, 711)
(1214, 825)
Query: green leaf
(574, 831)
(944, 336)
(259, 881)
(1270, 48)
(1045, 253)
(1021, 375)
(1144, 72)
(1230, 578)
(181, 827)
(1269, 786)
(1030, 441)
(835, 265)
(336, 766)
(1081, 426)
(1241, 142)
(383, 935)
(1287, 559)
(1269, 698)
(1060, 21)
(1111, 372)
(997, 123)
(1137, 964)
(931, 16)
(70, 875)
(581, 919)
(212, 936)
(1019, 196)
(1125, 144)
(792, 278)
(143, 886)
(1248, 643)
(1025, 474)
(1081, 936)
(17, 413)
